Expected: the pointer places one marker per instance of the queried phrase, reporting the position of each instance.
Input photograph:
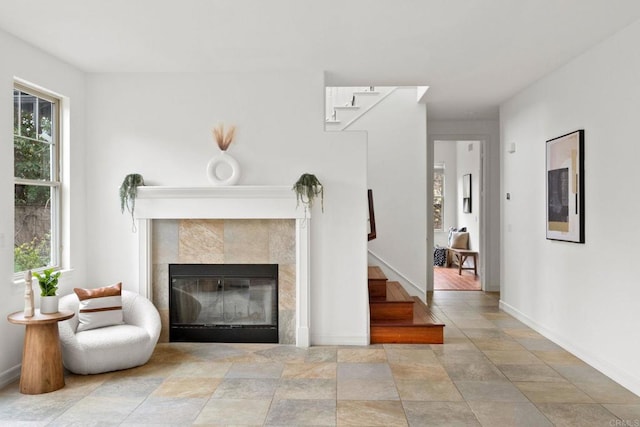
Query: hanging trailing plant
(307, 188)
(128, 194)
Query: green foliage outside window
(31, 255)
(32, 159)
(33, 144)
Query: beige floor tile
(490, 391)
(371, 413)
(474, 371)
(304, 388)
(242, 388)
(234, 412)
(538, 372)
(494, 316)
(479, 333)
(497, 344)
(628, 413)
(89, 409)
(365, 389)
(419, 356)
(425, 390)
(369, 371)
(578, 414)
(416, 371)
(446, 355)
(157, 370)
(187, 387)
(255, 370)
(169, 353)
(475, 323)
(351, 355)
(535, 344)
(557, 392)
(609, 392)
(560, 357)
(310, 370)
(202, 370)
(302, 413)
(512, 357)
(520, 414)
(439, 414)
(581, 373)
(523, 333)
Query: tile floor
(491, 371)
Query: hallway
(448, 279)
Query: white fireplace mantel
(228, 202)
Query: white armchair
(113, 347)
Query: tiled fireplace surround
(233, 225)
(230, 241)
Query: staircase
(397, 317)
(345, 105)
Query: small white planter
(49, 305)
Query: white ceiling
(474, 54)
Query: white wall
(160, 125)
(583, 296)
(27, 63)
(444, 152)
(468, 162)
(396, 130)
(488, 131)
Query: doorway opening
(457, 214)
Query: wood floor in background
(448, 279)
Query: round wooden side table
(42, 370)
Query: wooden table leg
(475, 268)
(42, 370)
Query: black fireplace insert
(223, 303)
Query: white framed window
(438, 197)
(36, 142)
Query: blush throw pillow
(99, 307)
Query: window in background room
(438, 197)
(36, 179)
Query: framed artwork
(466, 193)
(372, 217)
(565, 187)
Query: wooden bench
(461, 256)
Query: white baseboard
(620, 376)
(333, 340)
(10, 375)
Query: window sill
(18, 279)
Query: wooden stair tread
(395, 294)
(422, 316)
(396, 316)
(376, 273)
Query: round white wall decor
(223, 170)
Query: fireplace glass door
(224, 302)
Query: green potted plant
(307, 188)
(128, 194)
(48, 282)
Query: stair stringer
(340, 115)
(393, 274)
(369, 108)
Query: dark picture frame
(372, 217)
(565, 187)
(466, 193)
